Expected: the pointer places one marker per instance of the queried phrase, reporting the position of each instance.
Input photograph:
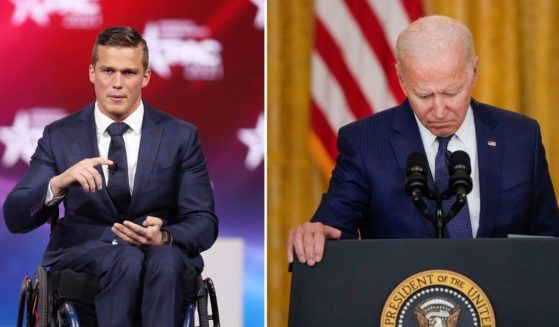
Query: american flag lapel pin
(492, 143)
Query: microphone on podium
(416, 181)
(460, 169)
(416, 175)
(460, 181)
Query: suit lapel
(405, 141)
(87, 134)
(490, 148)
(149, 147)
(87, 138)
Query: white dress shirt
(464, 139)
(131, 140)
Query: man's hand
(83, 173)
(141, 236)
(307, 240)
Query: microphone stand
(441, 219)
(421, 206)
(416, 186)
(438, 221)
(456, 207)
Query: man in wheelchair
(139, 207)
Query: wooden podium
(370, 282)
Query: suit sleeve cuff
(51, 200)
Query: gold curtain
(519, 65)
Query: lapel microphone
(113, 168)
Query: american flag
(353, 60)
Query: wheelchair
(66, 298)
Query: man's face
(118, 77)
(439, 90)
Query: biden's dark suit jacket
(171, 183)
(366, 191)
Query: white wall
(224, 265)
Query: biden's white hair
(430, 36)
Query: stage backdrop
(207, 59)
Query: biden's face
(439, 90)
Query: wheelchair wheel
(207, 294)
(23, 312)
(210, 290)
(203, 310)
(41, 298)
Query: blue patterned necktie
(118, 186)
(459, 226)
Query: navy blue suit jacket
(366, 191)
(171, 183)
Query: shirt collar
(465, 133)
(135, 119)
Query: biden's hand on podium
(83, 173)
(307, 241)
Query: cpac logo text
(76, 14)
(183, 43)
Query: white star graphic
(259, 19)
(254, 140)
(34, 9)
(21, 138)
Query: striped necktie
(460, 226)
